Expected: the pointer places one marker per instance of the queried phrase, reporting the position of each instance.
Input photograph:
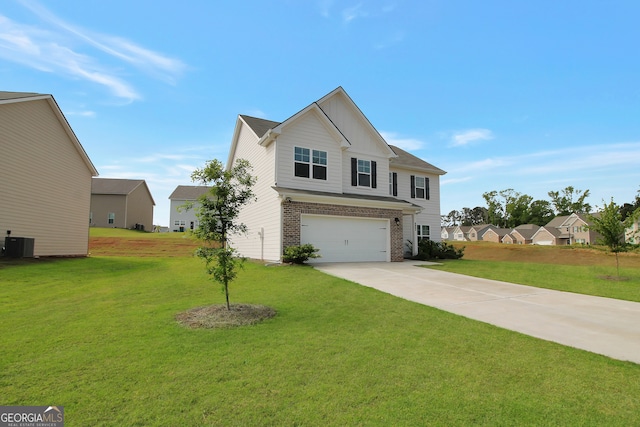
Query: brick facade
(291, 212)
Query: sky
(534, 96)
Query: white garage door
(343, 239)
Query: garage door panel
(342, 239)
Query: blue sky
(534, 96)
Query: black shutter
(354, 172)
(426, 188)
(374, 175)
(413, 187)
(394, 183)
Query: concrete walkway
(601, 325)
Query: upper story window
(310, 163)
(363, 173)
(419, 187)
(393, 183)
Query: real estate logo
(31, 416)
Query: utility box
(18, 247)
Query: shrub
(300, 254)
(428, 249)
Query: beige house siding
(140, 208)
(543, 237)
(103, 204)
(263, 239)
(491, 236)
(45, 179)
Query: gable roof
(526, 230)
(268, 130)
(259, 126)
(4, 96)
(408, 160)
(13, 97)
(189, 192)
(115, 186)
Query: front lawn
(98, 336)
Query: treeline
(509, 208)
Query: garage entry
(346, 239)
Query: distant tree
(452, 219)
(517, 210)
(628, 209)
(540, 212)
(475, 216)
(609, 224)
(218, 216)
(495, 209)
(570, 200)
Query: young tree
(608, 223)
(231, 189)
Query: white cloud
(408, 144)
(60, 47)
(465, 137)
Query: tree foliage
(218, 211)
(570, 200)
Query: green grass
(599, 280)
(98, 336)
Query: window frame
(314, 162)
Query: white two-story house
(325, 176)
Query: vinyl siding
(263, 215)
(430, 214)
(309, 132)
(140, 208)
(45, 189)
(103, 204)
(358, 131)
(180, 214)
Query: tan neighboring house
(325, 176)
(565, 230)
(461, 233)
(477, 231)
(446, 233)
(121, 203)
(181, 219)
(495, 234)
(45, 176)
(523, 234)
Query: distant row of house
(562, 230)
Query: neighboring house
(523, 234)
(446, 233)
(461, 233)
(565, 230)
(476, 231)
(547, 235)
(509, 239)
(121, 203)
(495, 234)
(326, 176)
(632, 234)
(181, 219)
(45, 176)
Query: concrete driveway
(600, 325)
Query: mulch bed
(219, 317)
